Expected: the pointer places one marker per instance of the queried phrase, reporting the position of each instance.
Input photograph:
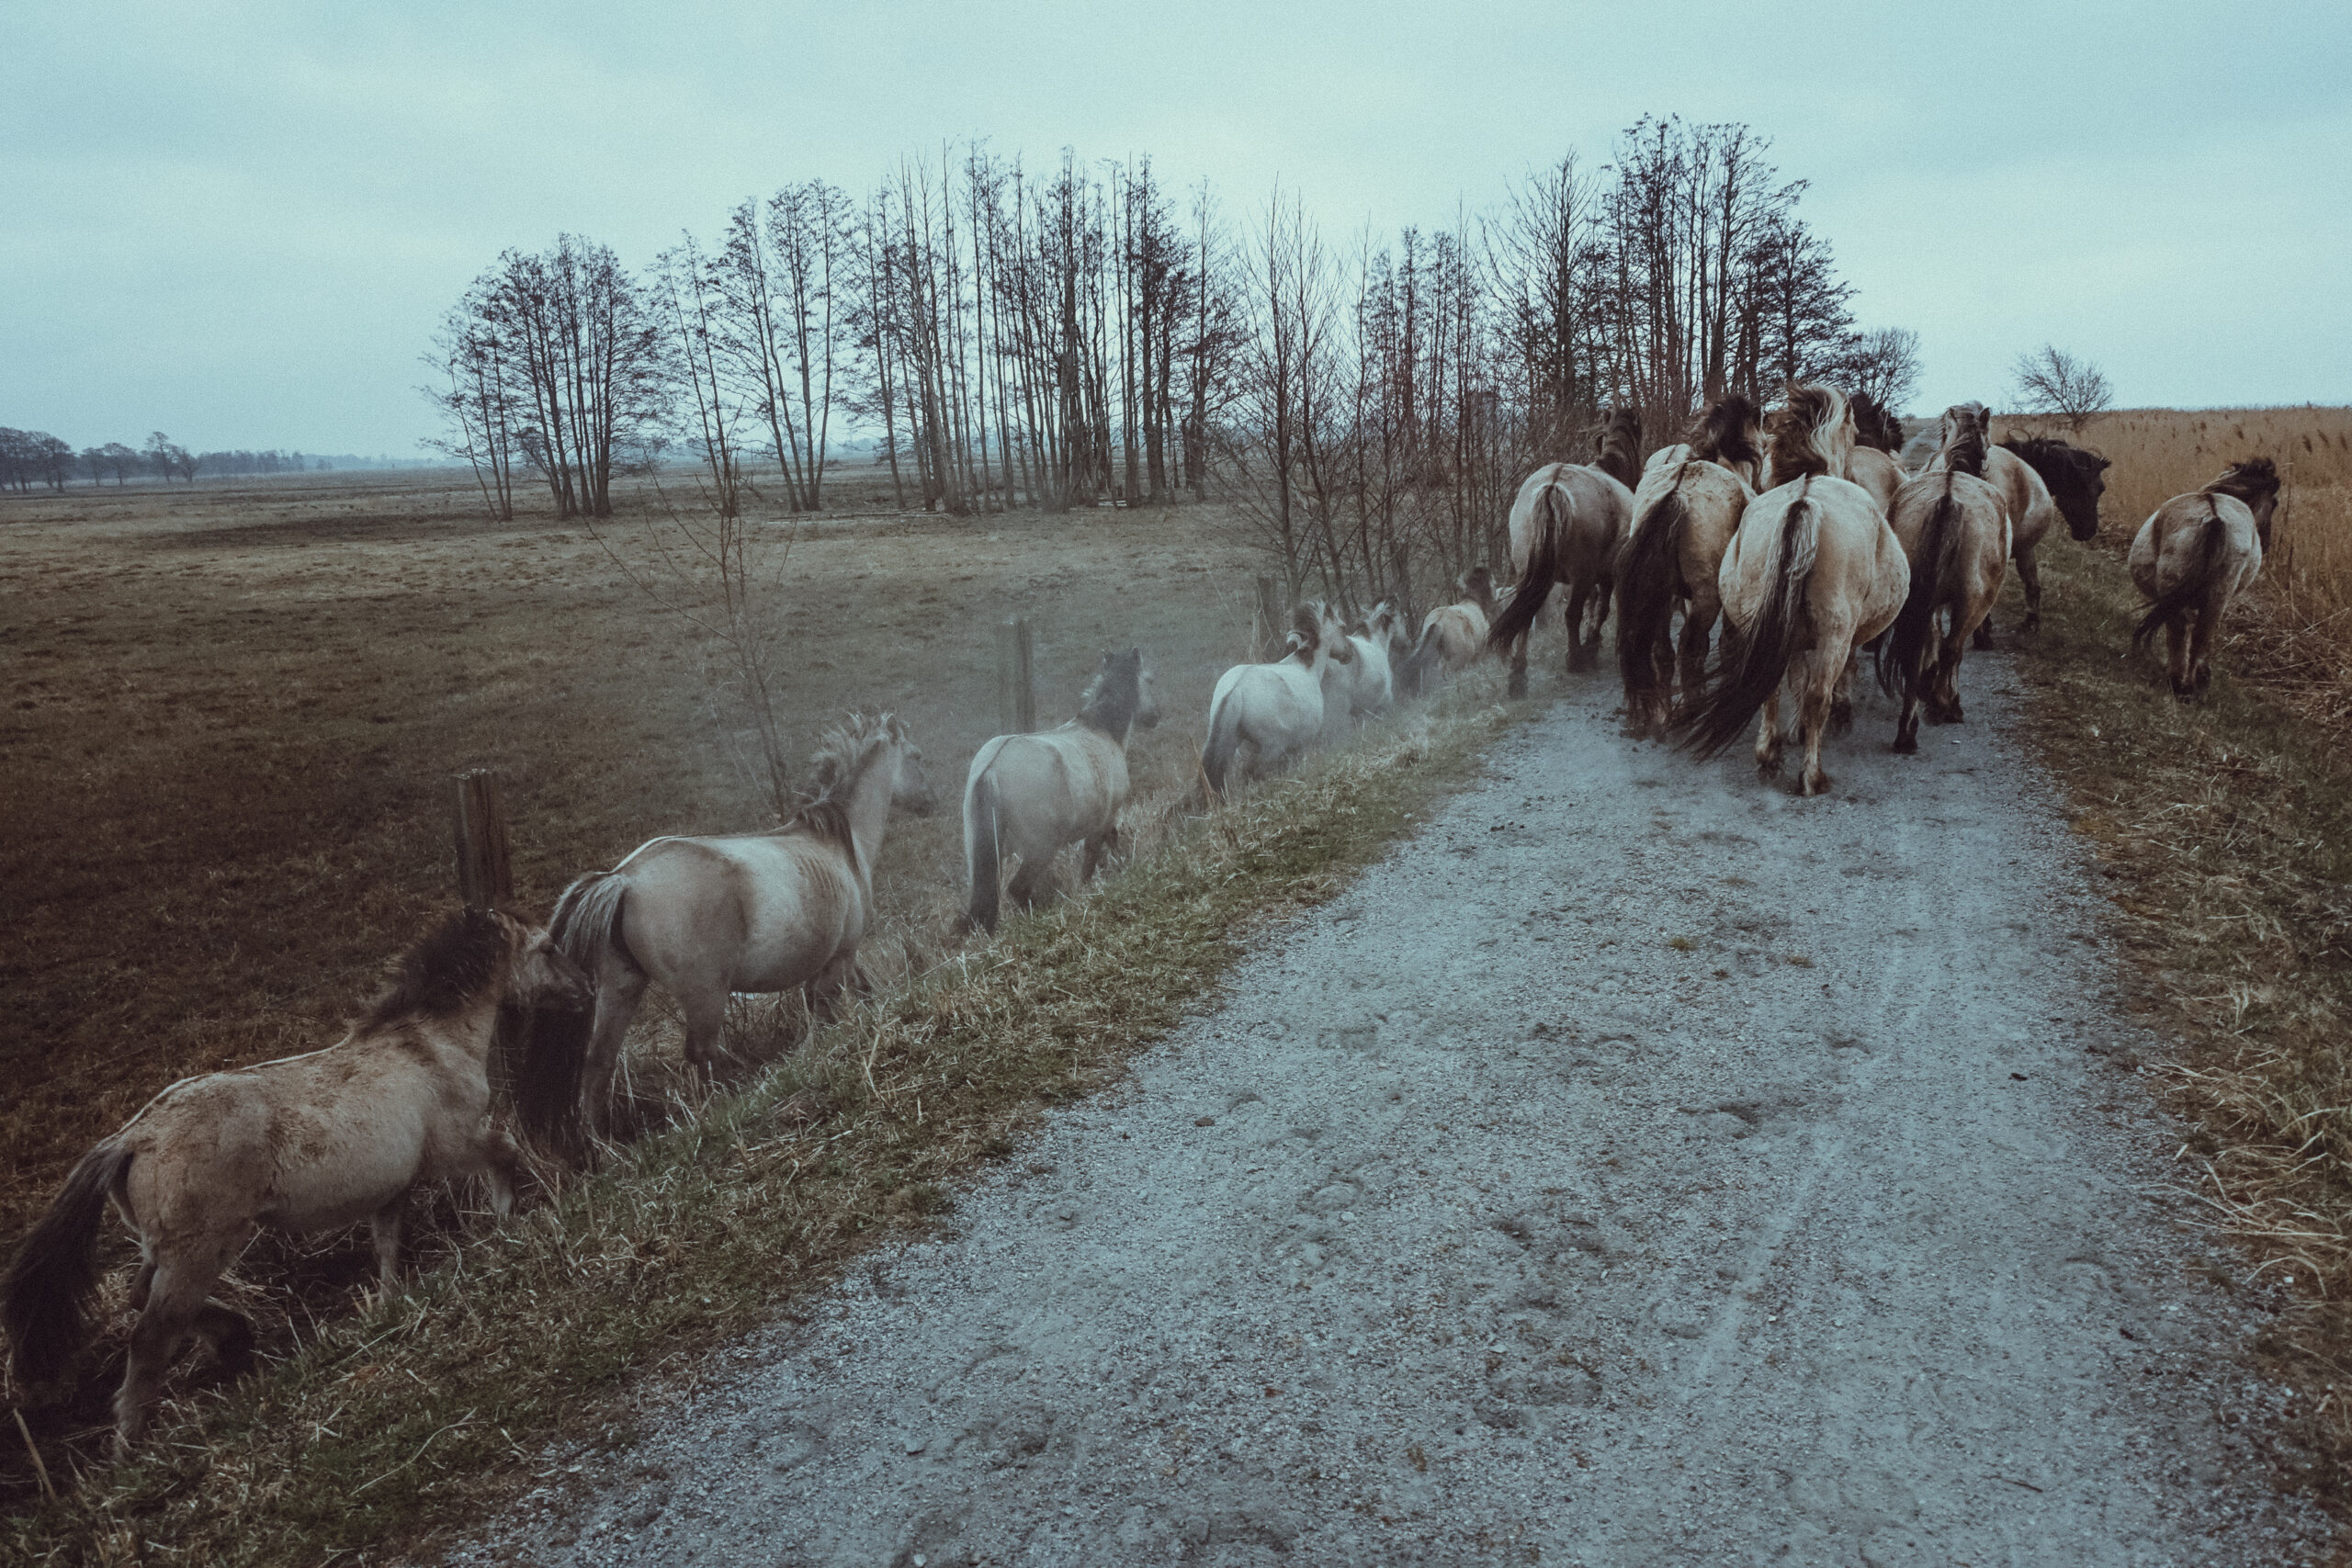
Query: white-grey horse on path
(705, 918)
(1954, 529)
(1027, 795)
(305, 1145)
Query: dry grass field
(233, 711)
(2298, 636)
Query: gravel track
(1640, 1165)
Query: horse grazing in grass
(1812, 572)
(304, 1145)
(1452, 635)
(775, 911)
(1685, 511)
(1264, 716)
(2193, 556)
(1956, 532)
(1878, 436)
(1372, 672)
(1027, 795)
(2032, 510)
(1565, 527)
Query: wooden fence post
(1016, 676)
(1268, 624)
(485, 866)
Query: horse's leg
(384, 1226)
(1699, 617)
(839, 978)
(1572, 622)
(2030, 575)
(1817, 695)
(705, 1009)
(1954, 648)
(1841, 699)
(501, 1171)
(1097, 848)
(2177, 653)
(182, 1277)
(620, 988)
(1519, 665)
(1768, 737)
(2200, 645)
(1907, 723)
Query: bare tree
(2054, 382)
(1885, 363)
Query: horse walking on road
(305, 1146)
(1878, 436)
(2033, 511)
(2193, 556)
(704, 918)
(1685, 511)
(1027, 795)
(1954, 529)
(1812, 572)
(1262, 716)
(1565, 527)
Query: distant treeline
(1060, 336)
(30, 457)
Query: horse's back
(1055, 786)
(2170, 546)
(752, 912)
(1878, 473)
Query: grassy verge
(413, 1418)
(2224, 833)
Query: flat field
(233, 711)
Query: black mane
(1111, 699)
(447, 971)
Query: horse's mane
(823, 810)
(1111, 699)
(1477, 586)
(1875, 424)
(1725, 434)
(2253, 479)
(2056, 461)
(1617, 446)
(445, 971)
(1307, 631)
(1963, 448)
(1802, 430)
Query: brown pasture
(233, 711)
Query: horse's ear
(2104, 463)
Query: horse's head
(2255, 482)
(2077, 478)
(1875, 424)
(1967, 428)
(1316, 636)
(1732, 433)
(1813, 432)
(1477, 586)
(1617, 446)
(542, 976)
(1120, 696)
(1386, 630)
(910, 790)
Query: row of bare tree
(1011, 337)
(28, 457)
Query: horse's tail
(1751, 667)
(586, 924)
(983, 855)
(1649, 569)
(1902, 651)
(51, 1275)
(2192, 588)
(1224, 738)
(1535, 581)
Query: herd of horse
(1798, 533)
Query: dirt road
(1642, 1166)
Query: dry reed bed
(2224, 833)
(412, 1418)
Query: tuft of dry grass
(379, 1430)
(2223, 836)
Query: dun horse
(1955, 530)
(1812, 572)
(775, 911)
(1684, 515)
(1264, 716)
(1372, 675)
(2193, 556)
(1878, 436)
(1565, 527)
(1027, 795)
(1453, 636)
(305, 1146)
(2031, 512)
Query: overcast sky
(240, 223)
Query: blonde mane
(839, 761)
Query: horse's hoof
(1906, 745)
(1519, 685)
(1815, 784)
